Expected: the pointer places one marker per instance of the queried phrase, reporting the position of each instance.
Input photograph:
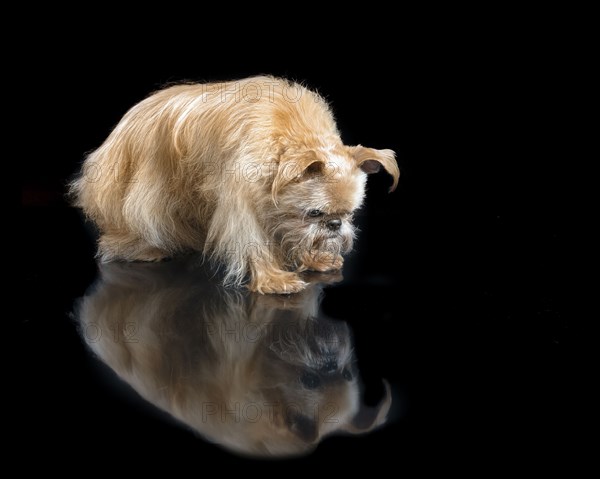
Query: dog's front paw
(321, 261)
(277, 282)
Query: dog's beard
(314, 343)
(299, 239)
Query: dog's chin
(312, 344)
(333, 242)
(297, 243)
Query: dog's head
(316, 191)
(310, 372)
(309, 385)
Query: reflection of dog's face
(260, 375)
(320, 390)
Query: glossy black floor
(455, 293)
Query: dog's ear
(368, 418)
(370, 161)
(293, 166)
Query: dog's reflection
(260, 375)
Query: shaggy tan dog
(252, 172)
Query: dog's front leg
(268, 277)
(244, 248)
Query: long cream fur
(231, 169)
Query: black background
(457, 291)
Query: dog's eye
(310, 380)
(315, 213)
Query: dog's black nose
(334, 225)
